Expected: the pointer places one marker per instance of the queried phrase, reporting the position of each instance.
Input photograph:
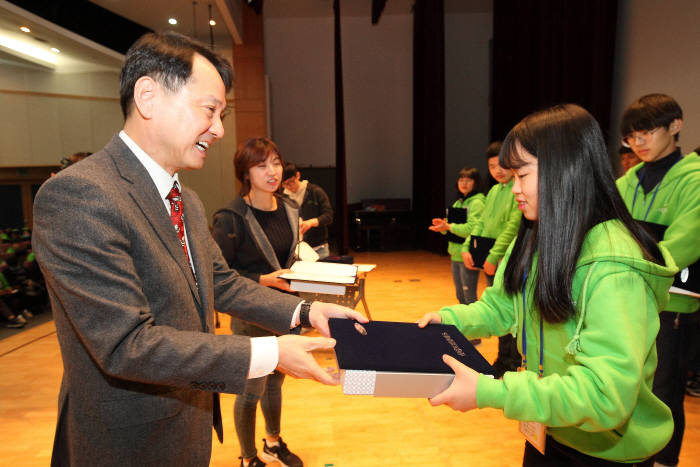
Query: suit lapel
(293, 218)
(144, 193)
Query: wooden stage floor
(324, 427)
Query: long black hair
(576, 191)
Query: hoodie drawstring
(574, 344)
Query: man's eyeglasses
(629, 139)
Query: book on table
(320, 277)
(394, 359)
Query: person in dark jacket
(257, 233)
(314, 208)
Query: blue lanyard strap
(634, 200)
(540, 369)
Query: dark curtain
(547, 52)
(341, 196)
(428, 120)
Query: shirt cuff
(295, 317)
(264, 356)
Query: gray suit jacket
(140, 357)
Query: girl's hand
(468, 261)
(489, 268)
(461, 395)
(273, 280)
(429, 318)
(439, 225)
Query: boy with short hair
(664, 191)
(500, 220)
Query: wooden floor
(320, 424)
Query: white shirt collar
(161, 178)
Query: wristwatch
(304, 314)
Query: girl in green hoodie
(581, 288)
(470, 198)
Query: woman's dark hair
(255, 151)
(166, 57)
(472, 173)
(576, 191)
(649, 112)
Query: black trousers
(557, 455)
(673, 345)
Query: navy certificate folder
(456, 216)
(479, 248)
(402, 347)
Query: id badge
(535, 433)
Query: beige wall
(658, 50)
(378, 89)
(47, 116)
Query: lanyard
(524, 334)
(634, 200)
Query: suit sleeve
(111, 302)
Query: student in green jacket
(500, 220)
(470, 197)
(581, 287)
(665, 190)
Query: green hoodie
(595, 395)
(677, 205)
(475, 206)
(500, 220)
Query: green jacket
(474, 205)
(500, 220)
(677, 205)
(595, 395)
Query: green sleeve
(476, 207)
(507, 235)
(600, 388)
(492, 315)
(681, 237)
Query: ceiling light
(172, 21)
(55, 50)
(24, 29)
(27, 49)
(212, 22)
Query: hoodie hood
(610, 241)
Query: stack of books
(320, 277)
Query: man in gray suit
(133, 300)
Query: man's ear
(145, 93)
(675, 126)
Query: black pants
(557, 455)
(673, 343)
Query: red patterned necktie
(176, 217)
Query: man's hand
(295, 357)
(273, 280)
(468, 261)
(489, 268)
(304, 226)
(461, 395)
(429, 318)
(439, 225)
(320, 312)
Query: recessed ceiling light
(24, 29)
(172, 21)
(55, 50)
(212, 22)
